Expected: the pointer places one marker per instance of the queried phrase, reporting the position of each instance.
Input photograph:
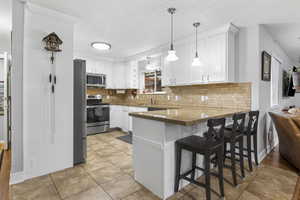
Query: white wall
(44, 151)
(17, 88)
(5, 43)
(251, 42)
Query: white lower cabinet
(119, 116)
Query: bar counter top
(187, 116)
(146, 105)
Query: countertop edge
(182, 122)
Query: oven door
(97, 115)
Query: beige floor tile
(105, 137)
(96, 164)
(106, 174)
(197, 193)
(248, 196)
(68, 173)
(43, 192)
(117, 133)
(107, 152)
(121, 187)
(95, 193)
(32, 184)
(74, 185)
(119, 157)
(142, 194)
(176, 196)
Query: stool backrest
(253, 122)
(215, 132)
(238, 124)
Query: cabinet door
(216, 58)
(166, 72)
(113, 117)
(118, 76)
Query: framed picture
(266, 66)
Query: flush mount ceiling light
(172, 53)
(102, 46)
(196, 61)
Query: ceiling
(288, 37)
(138, 25)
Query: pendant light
(172, 53)
(196, 61)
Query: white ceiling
(135, 26)
(288, 37)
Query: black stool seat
(195, 143)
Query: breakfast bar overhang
(154, 137)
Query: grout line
(99, 185)
(59, 195)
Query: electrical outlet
(202, 98)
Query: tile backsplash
(225, 95)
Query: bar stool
(210, 145)
(250, 131)
(231, 137)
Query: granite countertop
(147, 105)
(187, 116)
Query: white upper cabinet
(124, 75)
(131, 75)
(216, 52)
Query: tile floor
(108, 175)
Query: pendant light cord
(172, 48)
(196, 24)
(196, 41)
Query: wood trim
(5, 175)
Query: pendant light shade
(196, 61)
(172, 53)
(172, 56)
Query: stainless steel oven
(95, 80)
(97, 115)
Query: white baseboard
(263, 154)
(17, 177)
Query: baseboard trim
(263, 154)
(17, 177)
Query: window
(152, 82)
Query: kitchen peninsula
(154, 136)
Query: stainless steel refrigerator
(80, 143)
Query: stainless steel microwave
(95, 80)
